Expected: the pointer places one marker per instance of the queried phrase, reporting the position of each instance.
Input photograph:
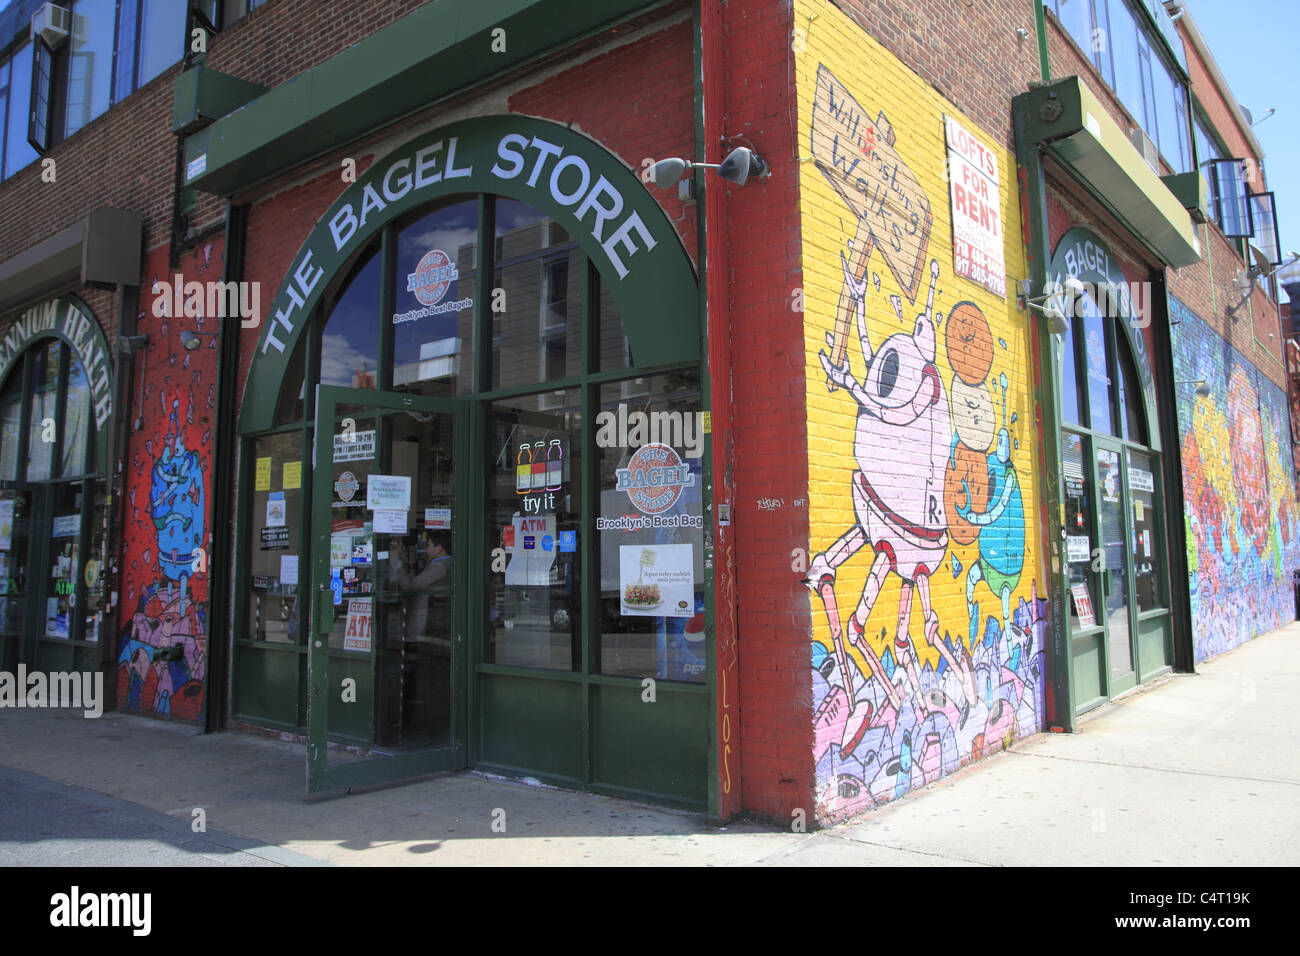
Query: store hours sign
(976, 209)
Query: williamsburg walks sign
(593, 194)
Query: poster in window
(356, 637)
(1083, 605)
(388, 493)
(276, 512)
(657, 580)
(6, 524)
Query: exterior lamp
(1245, 281)
(1054, 302)
(190, 340)
(1202, 388)
(740, 165)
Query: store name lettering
(78, 329)
(597, 204)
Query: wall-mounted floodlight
(1202, 387)
(741, 164)
(191, 341)
(132, 344)
(1244, 283)
(1056, 303)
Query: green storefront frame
(580, 728)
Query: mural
(928, 636)
(162, 653)
(1239, 494)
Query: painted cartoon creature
(900, 445)
(176, 505)
(1002, 527)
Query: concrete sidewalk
(1195, 770)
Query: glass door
(388, 583)
(1115, 566)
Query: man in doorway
(432, 583)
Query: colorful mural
(928, 632)
(162, 655)
(1239, 494)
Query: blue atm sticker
(530, 542)
(568, 541)
(336, 585)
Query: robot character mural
(901, 446)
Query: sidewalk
(1196, 770)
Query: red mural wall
(166, 525)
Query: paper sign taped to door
(388, 493)
(357, 635)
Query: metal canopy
(1069, 122)
(103, 248)
(438, 50)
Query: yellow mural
(927, 628)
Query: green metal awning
(438, 50)
(1067, 121)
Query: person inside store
(428, 604)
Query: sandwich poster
(656, 580)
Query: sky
(1257, 46)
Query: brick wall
(928, 631)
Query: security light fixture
(1056, 303)
(1245, 281)
(191, 341)
(131, 344)
(1202, 388)
(741, 165)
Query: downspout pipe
(224, 459)
(1040, 26)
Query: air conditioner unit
(52, 23)
(1147, 147)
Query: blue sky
(1255, 44)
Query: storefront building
(434, 436)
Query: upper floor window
(113, 48)
(1119, 41)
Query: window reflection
(534, 511)
(433, 326)
(650, 528)
(538, 337)
(349, 345)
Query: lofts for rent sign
(976, 217)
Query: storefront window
(1070, 378)
(1114, 561)
(433, 324)
(62, 567)
(11, 421)
(41, 425)
(534, 524)
(1131, 400)
(349, 343)
(611, 342)
(1147, 569)
(538, 267)
(277, 542)
(1079, 544)
(650, 528)
(1095, 345)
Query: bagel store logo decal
(473, 161)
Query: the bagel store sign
(593, 195)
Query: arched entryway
(1118, 604)
(55, 405)
(496, 329)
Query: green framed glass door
(389, 614)
(1115, 610)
